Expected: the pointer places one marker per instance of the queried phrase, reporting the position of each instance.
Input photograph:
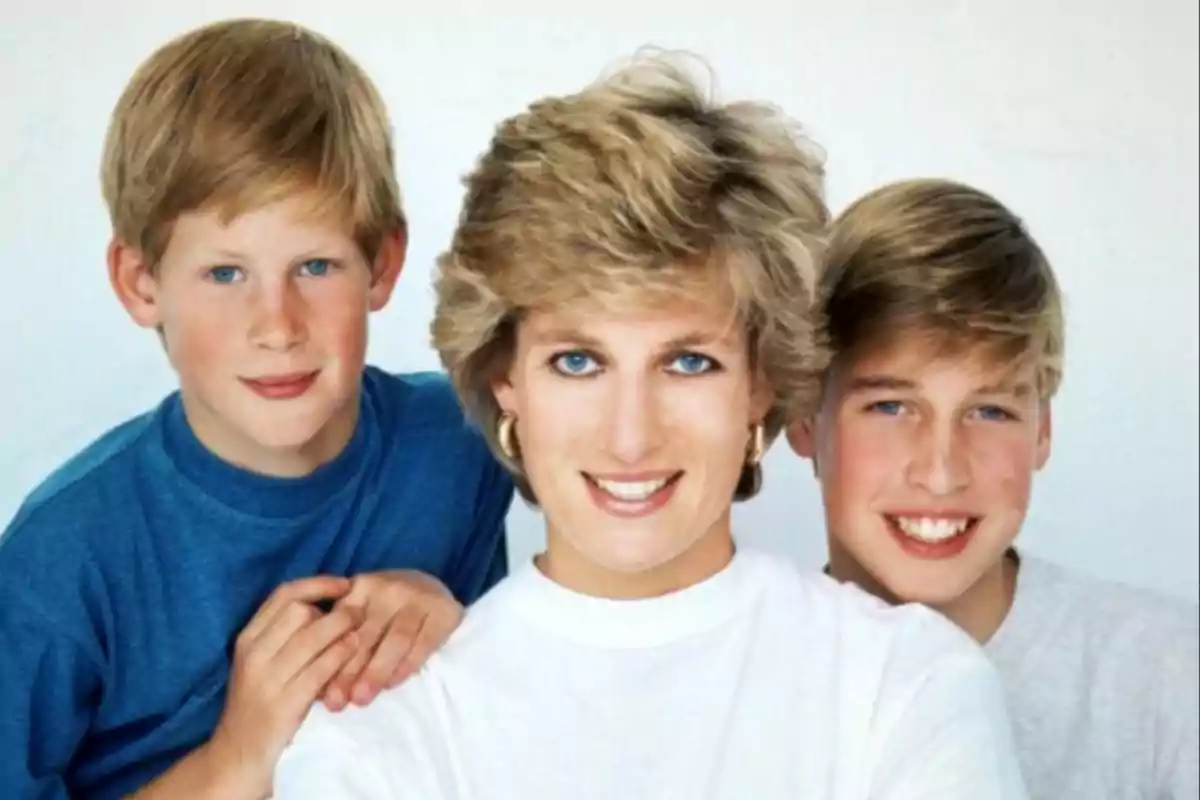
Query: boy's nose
(278, 319)
(941, 467)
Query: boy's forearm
(207, 773)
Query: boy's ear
(801, 438)
(389, 262)
(134, 283)
(1045, 435)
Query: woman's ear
(762, 397)
(504, 392)
(133, 282)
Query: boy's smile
(931, 534)
(926, 464)
(282, 387)
(264, 318)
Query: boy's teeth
(632, 491)
(932, 530)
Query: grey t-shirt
(1103, 686)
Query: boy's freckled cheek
(347, 334)
(866, 460)
(1005, 469)
(338, 323)
(201, 336)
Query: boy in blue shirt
(290, 526)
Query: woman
(625, 312)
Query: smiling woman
(626, 310)
(634, 428)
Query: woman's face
(633, 430)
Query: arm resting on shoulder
(206, 773)
(49, 686)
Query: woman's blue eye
(574, 363)
(317, 267)
(692, 364)
(889, 407)
(224, 274)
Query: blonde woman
(624, 311)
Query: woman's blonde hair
(635, 189)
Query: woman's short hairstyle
(637, 189)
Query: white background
(1081, 114)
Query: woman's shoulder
(816, 604)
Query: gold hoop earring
(504, 436)
(758, 445)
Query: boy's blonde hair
(638, 189)
(941, 259)
(241, 113)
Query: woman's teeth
(631, 491)
(932, 530)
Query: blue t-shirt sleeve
(48, 686)
(483, 559)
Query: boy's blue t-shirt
(127, 575)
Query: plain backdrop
(1081, 114)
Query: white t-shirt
(760, 683)
(1103, 686)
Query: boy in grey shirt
(1103, 687)
(946, 322)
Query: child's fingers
(370, 634)
(312, 681)
(309, 643)
(286, 623)
(304, 590)
(436, 630)
(397, 642)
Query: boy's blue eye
(317, 267)
(995, 414)
(692, 364)
(889, 407)
(224, 274)
(574, 363)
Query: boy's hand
(283, 660)
(406, 616)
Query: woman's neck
(564, 564)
